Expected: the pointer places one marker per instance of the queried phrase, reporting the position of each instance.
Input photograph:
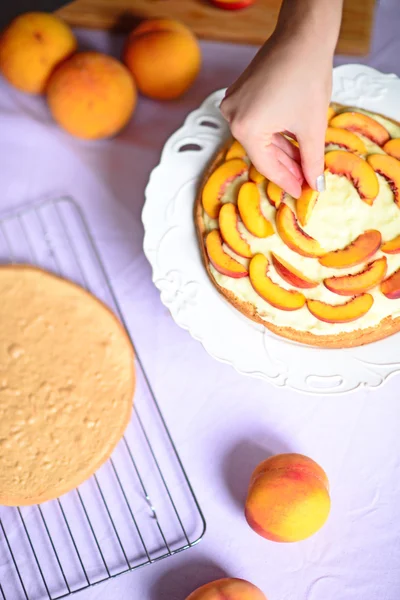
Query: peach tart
(322, 269)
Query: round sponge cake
(66, 385)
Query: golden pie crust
(388, 326)
(67, 380)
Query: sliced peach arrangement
(357, 170)
(236, 150)
(392, 147)
(390, 287)
(275, 194)
(273, 293)
(345, 139)
(341, 313)
(358, 283)
(228, 226)
(305, 204)
(392, 246)
(359, 251)
(293, 236)
(250, 211)
(221, 261)
(217, 183)
(290, 274)
(363, 124)
(389, 168)
(255, 175)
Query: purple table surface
(222, 423)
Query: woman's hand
(286, 88)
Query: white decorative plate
(170, 245)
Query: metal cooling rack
(139, 507)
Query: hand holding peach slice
(358, 283)
(362, 124)
(273, 293)
(255, 175)
(389, 168)
(341, 313)
(228, 225)
(236, 150)
(392, 247)
(359, 251)
(227, 589)
(250, 211)
(357, 170)
(221, 261)
(293, 236)
(346, 139)
(392, 147)
(390, 287)
(217, 183)
(305, 204)
(288, 499)
(290, 274)
(275, 194)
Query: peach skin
(363, 124)
(392, 246)
(341, 313)
(305, 204)
(222, 262)
(357, 170)
(288, 498)
(227, 589)
(391, 286)
(228, 225)
(392, 147)
(250, 211)
(217, 183)
(293, 236)
(345, 139)
(389, 168)
(31, 46)
(290, 274)
(358, 283)
(360, 250)
(273, 293)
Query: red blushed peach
(389, 168)
(228, 225)
(341, 313)
(217, 183)
(293, 236)
(391, 286)
(290, 274)
(227, 589)
(288, 498)
(358, 283)
(360, 250)
(270, 291)
(360, 123)
(357, 170)
(221, 261)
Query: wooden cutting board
(248, 26)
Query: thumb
(312, 148)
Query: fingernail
(321, 183)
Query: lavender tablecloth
(222, 423)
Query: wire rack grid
(140, 506)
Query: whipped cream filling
(338, 217)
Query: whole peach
(227, 589)
(164, 58)
(288, 498)
(31, 46)
(91, 95)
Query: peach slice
(345, 139)
(218, 182)
(275, 194)
(389, 168)
(250, 211)
(341, 313)
(391, 286)
(392, 147)
(228, 225)
(222, 262)
(236, 150)
(352, 285)
(330, 113)
(357, 170)
(359, 251)
(290, 274)
(273, 293)
(255, 175)
(363, 124)
(392, 247)
(305, 204)
(293, 236)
